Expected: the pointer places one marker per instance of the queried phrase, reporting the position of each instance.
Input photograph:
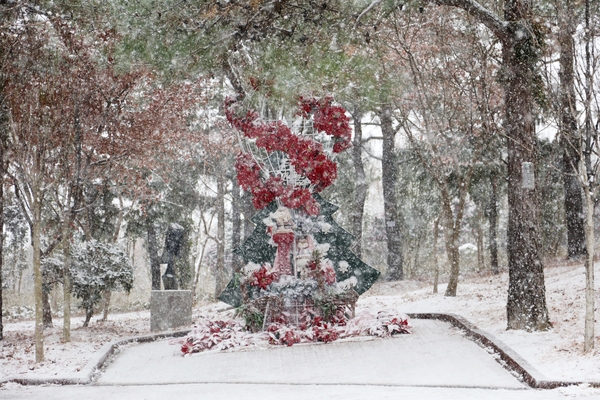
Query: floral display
(216, 332)
(303, 166)
(291, 290)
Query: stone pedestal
(170, 309)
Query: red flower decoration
(261, 196)
(312, 207)
(305, 155)
(322, 332)
(312, 265)
(262, 278)
(329, 119)
(328, 273)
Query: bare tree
(446, 112)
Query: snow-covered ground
(556, 354)
(17, 350)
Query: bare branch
(371, 6)
(482, 14)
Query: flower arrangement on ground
(216, 332)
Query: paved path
(435, 362)
(435, 354)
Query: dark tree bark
(526, 306)
(36, 235)
(5, 7)
(478, 233)
(389, 177)
(451, 221)
(589, 185)
(153, 254)
(493, 225)
(89, 312)
(76, 195)
(46, 310)
(569, 139)
(360, 184)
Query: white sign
(528, 175)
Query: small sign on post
(528, 175)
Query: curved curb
(508, 357)
(99, 359)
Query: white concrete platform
(435, 355)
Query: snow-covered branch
(482, 14)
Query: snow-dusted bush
(98, 267)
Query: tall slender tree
(568, 131)
(589, 169)
(360, 183)
(389, 177)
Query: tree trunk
(248, 211)
(66, 286)
(236, 224)
(409, 273)
(46, 309)
(153, 254)
(75, 194)
(451, 234)
(479, 240)
(590, 187)
(220, 271)
(389, 176)
(434, 255)
(588, 342)
(3, 121)
(526, 304)
(360, 184)
(106, 304)
(454, 259)
(89, 312)
(37, 273)
(569, 137)
(493, 221)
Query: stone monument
(171, 308)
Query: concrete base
(170, 309)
